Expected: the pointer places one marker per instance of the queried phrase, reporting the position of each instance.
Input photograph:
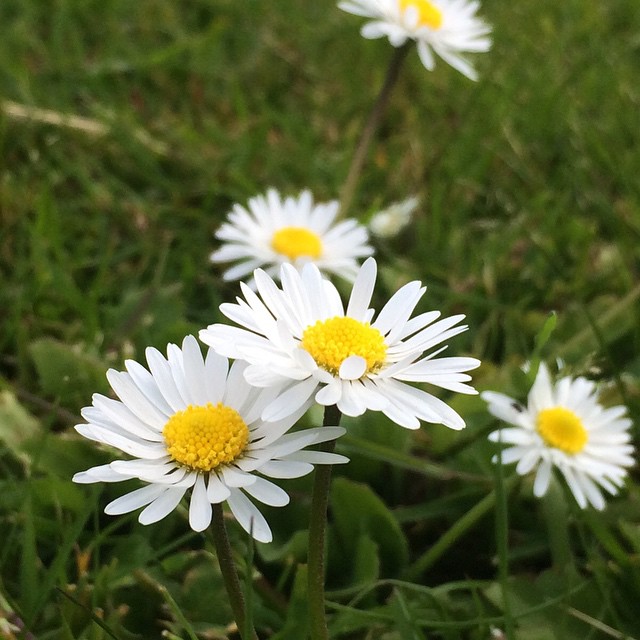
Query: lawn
(127, 133)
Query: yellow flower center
(204, 437)
(428, 14)
(562, 429)
(297, 242)
(331, 341)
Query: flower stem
(317, 526)
(375, 116)
(229, 573)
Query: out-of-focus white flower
(272, 231)
(390, 221)
(564, 426)
(448, 28)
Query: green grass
(530, 204)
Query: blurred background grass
(530, 203)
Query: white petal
(527, 462)
(318, 457)
(353, 368)
(217, 491)
(233, 477)
(330, 394)
(352, 403)
(130, 445)
(362, 290)
(286, 468)
(395, 313)
(248, 516)
(216, 369)
(592, 492)
(543, 476)
(135, 400)
(118, 413)
(162, 506)
(541, 395)
(574, 485)
(103, 473)
(503, 407)
(194, 371)
(199, 507)
(161, 371)
(134, 500)
(290, 400)
(268, 493)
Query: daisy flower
(302, 336)
(564, 426)
(447, 28)
(194, 423)
(272, 231)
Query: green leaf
(16, 424)
(296, 625)
(67, 373)
(358, 513)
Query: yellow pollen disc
(562, 429)
(331, 341)
(297, 242)
(428, 14)
(204, 437)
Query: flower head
(272, 231)
(390, 221)
(448, 28)
(194, 423)
(302, 336)
(564, 426)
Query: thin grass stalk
(230, 574)
(317, 527)
(455, 532)
(370, 128)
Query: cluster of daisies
(225, 431)
(221, 426)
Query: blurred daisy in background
(448, 28)
(390, 221)
(271, 231)
(564, 426)
(302, 336)
(194, 423)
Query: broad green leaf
(358, 512)
(66, 373)
(16, 424)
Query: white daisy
(564, 426)
(447, 28)
(272, 231)
(195, 423)
(302, 335)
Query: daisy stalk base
(229, 573)
(377, 111)
(317, 526)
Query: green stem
(229, 573)
(457, 530)
(502, 543)
(375, 116)
(317, 526)
(556, 516)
